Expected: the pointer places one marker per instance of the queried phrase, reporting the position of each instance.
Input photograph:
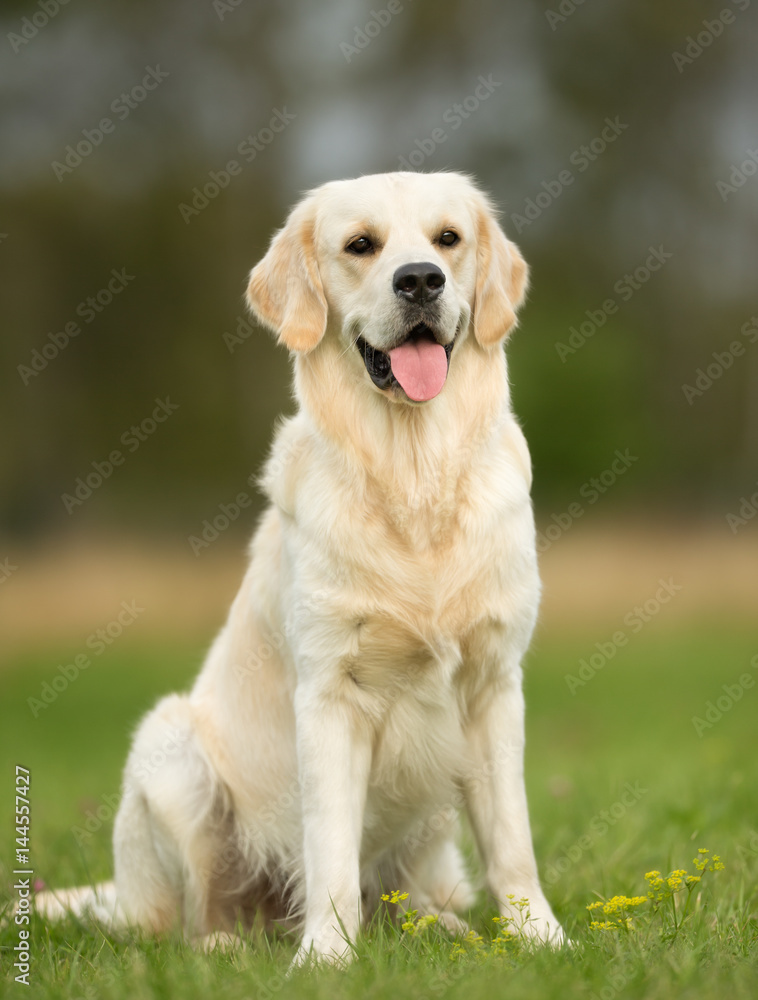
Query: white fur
(367, 683)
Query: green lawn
(620, 783)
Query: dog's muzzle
(417, 364)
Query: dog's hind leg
(166, 832)
(156, 812)
(148, 879)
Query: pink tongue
(420, 366)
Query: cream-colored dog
(367, 684)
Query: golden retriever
(367, 684)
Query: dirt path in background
(591, 577)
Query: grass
(629, 727)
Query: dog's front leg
(334, 758)
(496, 800)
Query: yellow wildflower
(616, 909)
(701, 863)
(474, 939)
(472, 942)
(394, 897)
(655, 882)
(674, 881)
(414, 926)
(617, 903)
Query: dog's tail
(88, 902)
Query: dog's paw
(331, 949)
(221, 941)
(545, 931)
(532, 918)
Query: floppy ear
(501, 281)
(285, 290)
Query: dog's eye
(362, 244)
(449, 238)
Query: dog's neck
(410, 459)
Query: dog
(367, 685)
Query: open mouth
(419, 365)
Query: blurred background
(148, 152)
(361, 100)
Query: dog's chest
(408, 692)
(428, 620)
(432, 596)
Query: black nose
(418, 282)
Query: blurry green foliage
(558, 81)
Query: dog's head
(400, 266)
